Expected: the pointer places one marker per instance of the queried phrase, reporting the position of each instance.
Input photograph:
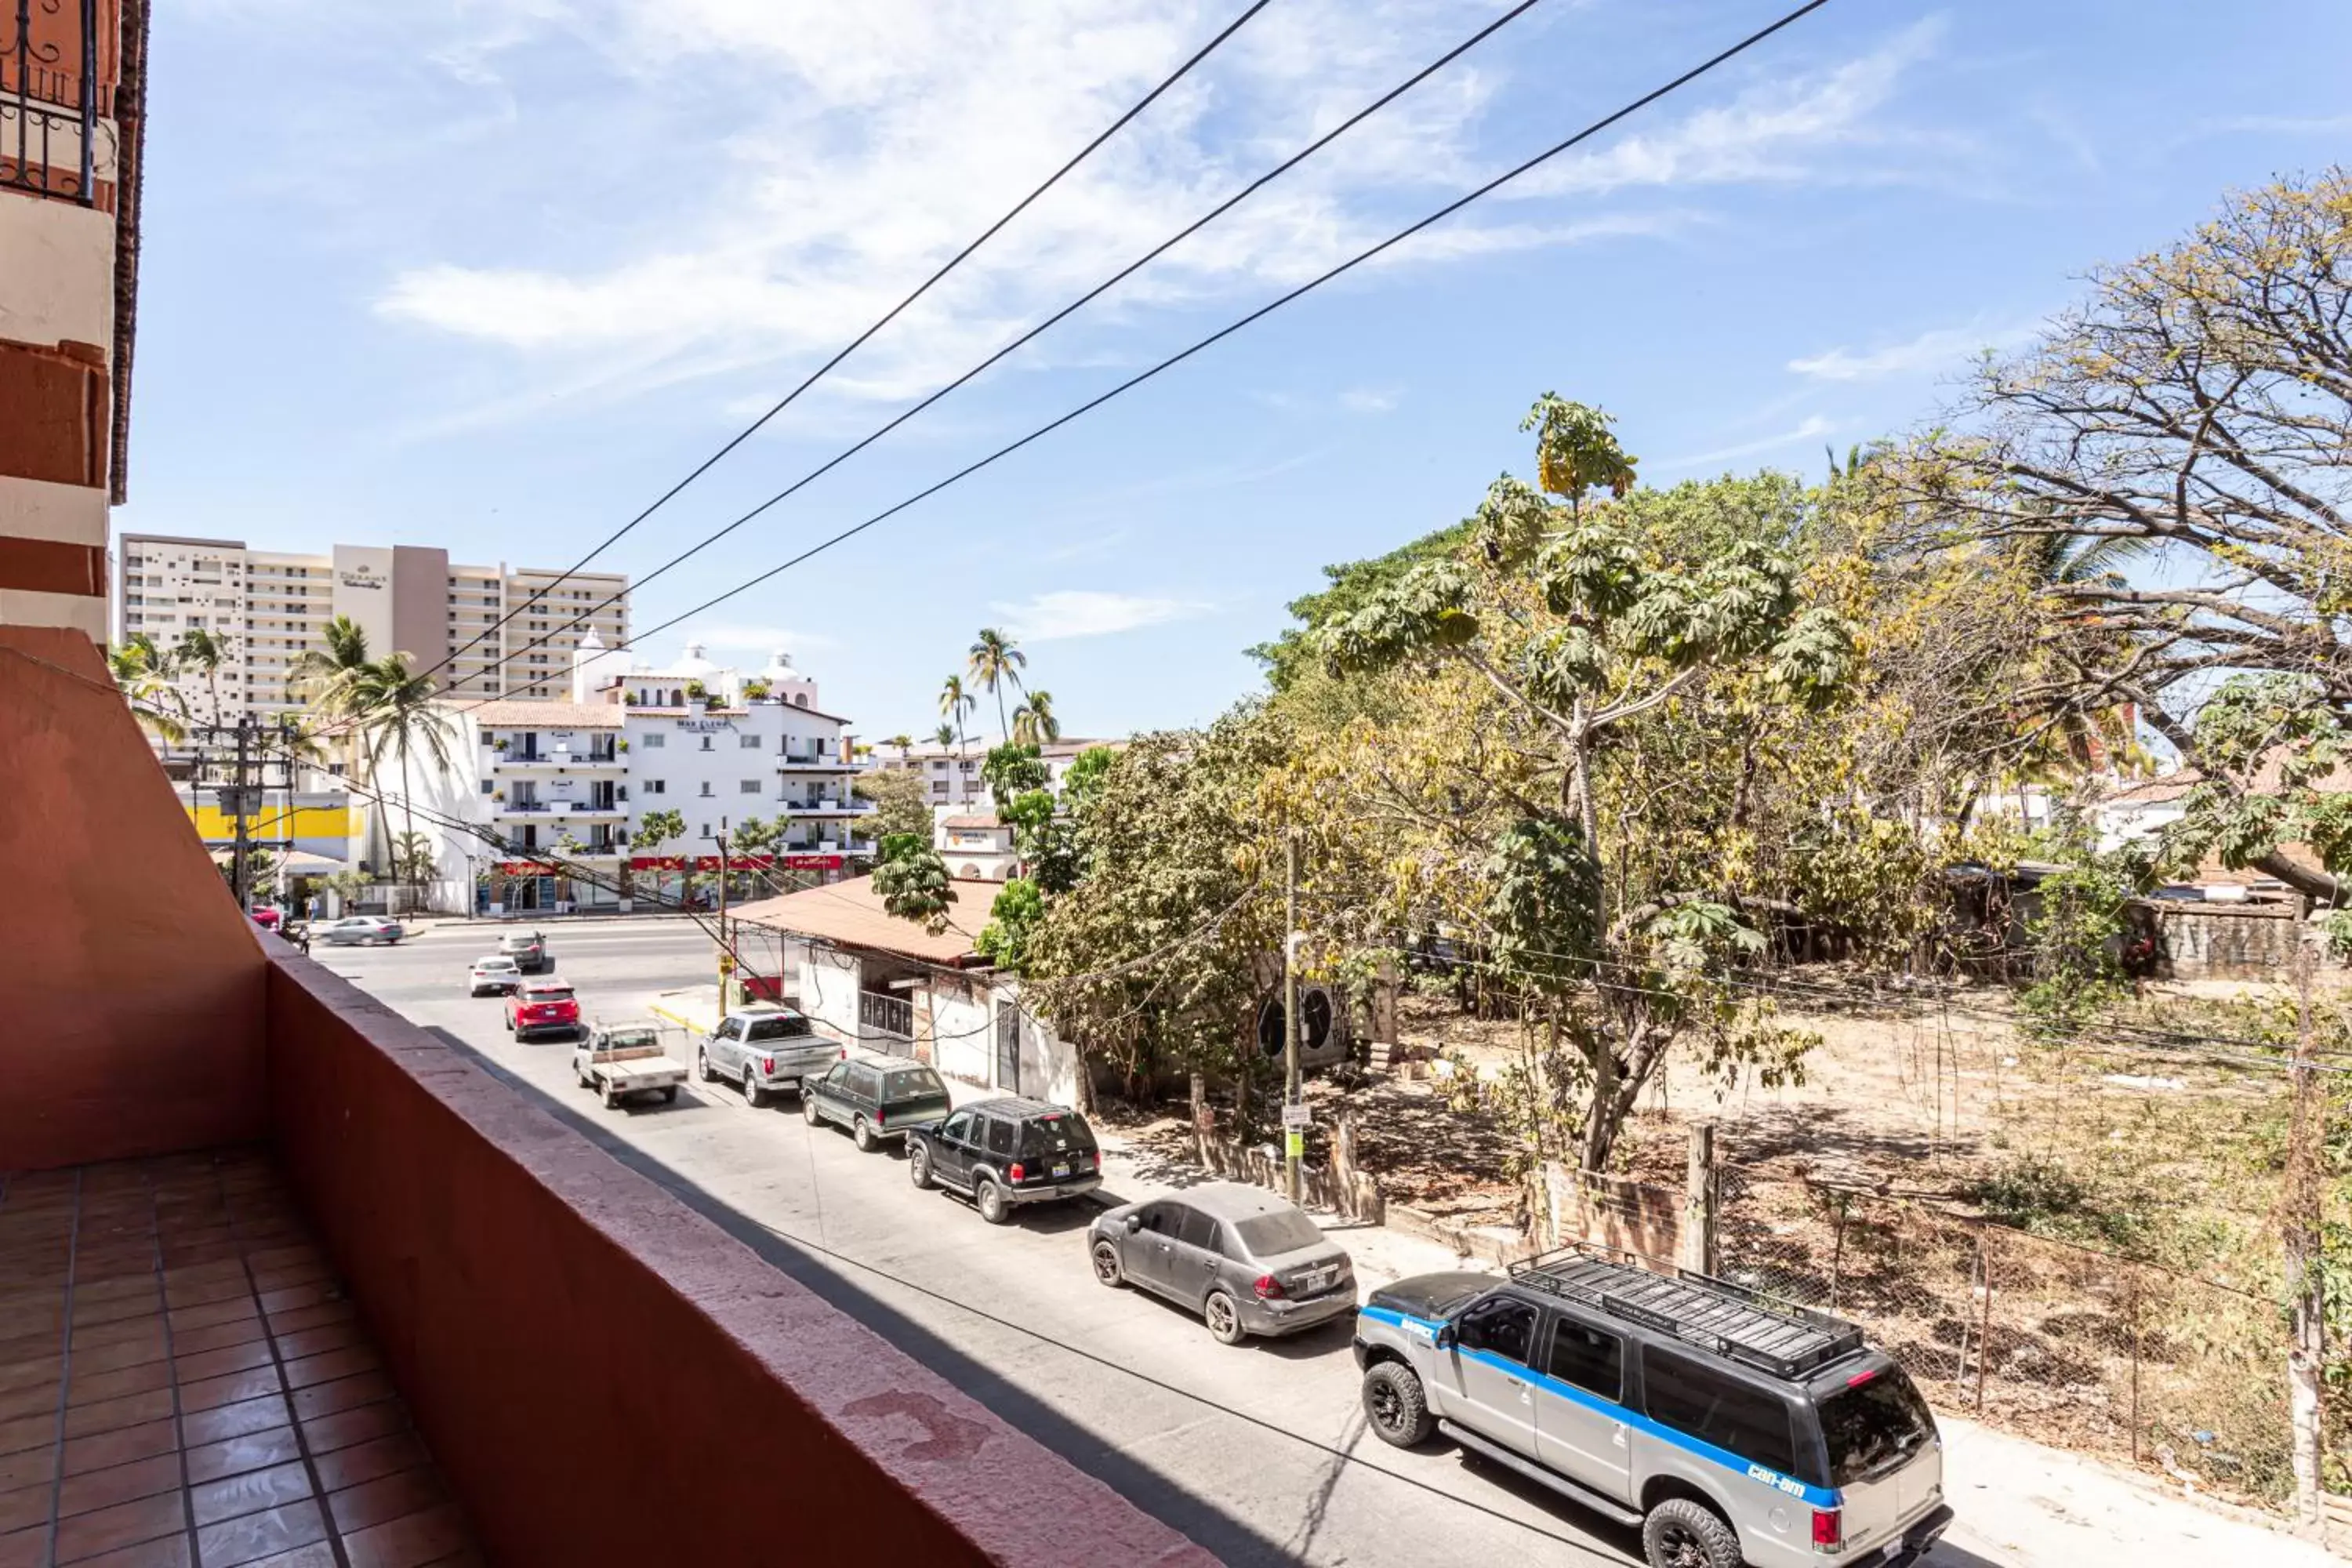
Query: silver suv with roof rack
(1731, 1428)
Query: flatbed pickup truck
(621, 1059)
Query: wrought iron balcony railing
(50, 98)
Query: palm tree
(318, 672)
(200, 650)
(155, 703)
(901, 741)
(1033, 723)
(945, 736)
(955, 703)
(392, 709)
(996, 659)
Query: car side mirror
(1445, 1338)
(1134, 1224)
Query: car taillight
(1829, 1530)
(1017, 1173)
(1098, 1159)
(1268, 1288)
(767, 1066)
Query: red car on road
(543, 1008)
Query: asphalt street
(1258, 1452)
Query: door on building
(1008, 1047)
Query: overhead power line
(1116, 126)
(1448, 210)
(1063, 313)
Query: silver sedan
(1244, 1260)
(361, 930)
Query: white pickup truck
(623, 1059)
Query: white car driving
(494, 974)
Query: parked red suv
(542, 1007)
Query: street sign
(1294, 1145)
(1297, 1117)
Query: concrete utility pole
(1294, 1138)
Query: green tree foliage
(1012, 918)
(913, 883)
(1159, 955)
(143, 672)
(901, 803)
(1033, 722)
(1011, 770)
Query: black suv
(1003, 1153)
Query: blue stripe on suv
(1817, 1497)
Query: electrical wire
(861, 339)
(1371, 252)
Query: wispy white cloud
(1936, 349)
(1773, 132)
(867, 145)
(1091, 613)
(1811, 428)
(1371, 399)
(1349, 400)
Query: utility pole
(2299, 1229)
(1293, 1134)
(726, 948)
(240, 878)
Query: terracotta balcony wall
(555, 1323)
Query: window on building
(651, 742)
(488, 784)
(706, 789)
(751, 786)
(800, 699)
(940, 788)
(657, 786)
(749, 743)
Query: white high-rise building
(273, 606)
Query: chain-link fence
(2065, 1344)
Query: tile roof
(968, 824)
(851, 914)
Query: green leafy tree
(656, 829)
(996, 662)
(913, 883)
(1012, 918)
(901, 803)
(1157, 955)
(1011, 770)
(1593, 628)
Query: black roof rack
(1732, 1321)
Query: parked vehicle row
(1729, 1429)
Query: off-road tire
(990, 1200)
(919, 1163)
(1395, 1406)
(1681, 1534)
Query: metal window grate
(50, 98)
(1717, 1315)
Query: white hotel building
(634, 741)
(273, 606)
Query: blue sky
(491, 275)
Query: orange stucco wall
(131, 989)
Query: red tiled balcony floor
(183, 1385)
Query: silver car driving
(1247, 1261)
(360, 930)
